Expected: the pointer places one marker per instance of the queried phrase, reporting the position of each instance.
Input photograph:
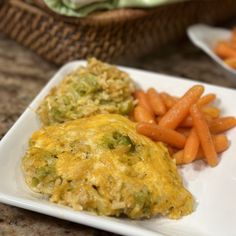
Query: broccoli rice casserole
(94, 89)
(101, 164)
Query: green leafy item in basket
(81, 8)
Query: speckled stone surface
(23, 74)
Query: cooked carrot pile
(227, 50)
(190, 125)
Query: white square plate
(213, 188)
(206, 38)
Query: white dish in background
(213, 188)
(206, 38)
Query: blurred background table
(23, 74)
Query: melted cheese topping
(102, 164)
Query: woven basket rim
(110, 35)
(25, 6)
(99, 18)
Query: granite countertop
(23, 74)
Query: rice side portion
(98, 88)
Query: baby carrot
(204, 135)
(179, 157)
(225, 50)
(181, 109)
(191, 147)
(187, 122)
(211, 111)
(222, 124)
(162, 134)
(208, 118)
(156, 102)
(168, 100)
(142, 115)
(221, 142)
(205, 100)
(143, 100)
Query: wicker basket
(111, 36)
